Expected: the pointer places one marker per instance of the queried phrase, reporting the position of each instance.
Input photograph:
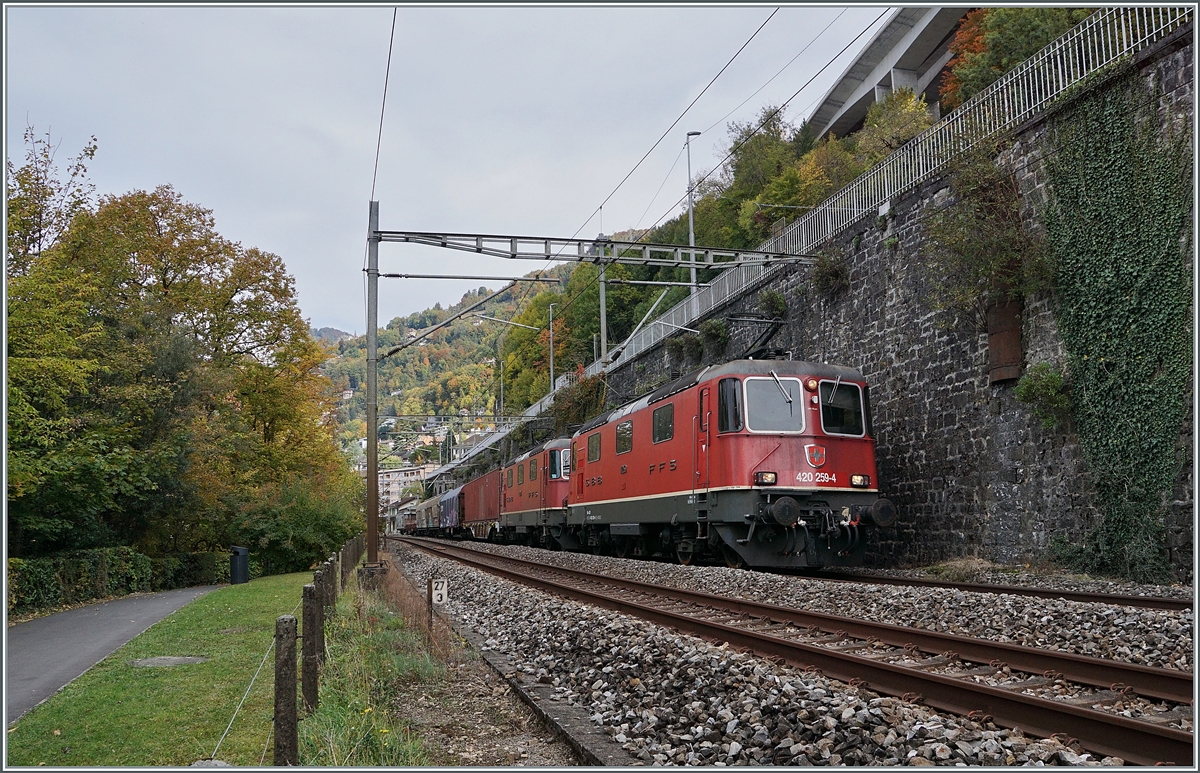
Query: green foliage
(162, 383)
(979, 246)
(830, 275)
(578, 403)
(369, 649)
(715, 335)
(71, 578)
(41, 205)
(1119, 228)
(188, 569)
(892, 242)
(889, 124)
(685, 348)
(772, 304)
(803, 183)
(992, 41)
(1046, 391)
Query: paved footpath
(44, 654)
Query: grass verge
(119, 714)
(370, 651)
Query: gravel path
(675, 699)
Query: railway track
(1042, 692)
(1116, 599)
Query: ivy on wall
(1117, 225)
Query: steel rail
(1149, 682)
(1148, 602)
(1107, 734)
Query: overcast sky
(499, 120)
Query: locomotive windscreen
(774, 405)
(841, 412)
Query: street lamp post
(691, 224)
(552, 346)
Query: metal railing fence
(1098, 41)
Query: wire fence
(1100, 40)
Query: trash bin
(239, 565)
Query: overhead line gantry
(599, 251)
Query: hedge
(85, 575)
(188, 569)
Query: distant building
(347, 394)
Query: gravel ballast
(668, 698)
(1159, 638)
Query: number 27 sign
(439, 591)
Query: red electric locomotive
(534, 495)
(768, 463)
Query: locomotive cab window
(594, 447)
(774, 404)
(664, 423)
(625, 437)
(533, 468)
(555, 470)
(566, 461)
(510, 483)
(841, 411)
(520, 474)
(729, 405)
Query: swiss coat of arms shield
(816, 454)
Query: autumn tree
(166, 390)
(992, 41)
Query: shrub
(576, 404)
(185, 570)
(70, 578)
(685, 347)
(772, 304)
(1044, 389)
(830, 275)
(715, 335)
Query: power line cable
(750, 135)
(776, 75)
(660, 187)
(738, 146)
(382, 108)
(681, 115)
(600, 209)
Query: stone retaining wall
(971, 470)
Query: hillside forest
(774, 173)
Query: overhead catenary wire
(387, 72)
(600, 209)
(738, 146)
(776, 75)
(750, 135)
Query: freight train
(760, 463)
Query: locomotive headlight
(811, 385)
(860, 481)
(765, 478)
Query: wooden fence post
(323, 599)
(286, 731)
(310, 648)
